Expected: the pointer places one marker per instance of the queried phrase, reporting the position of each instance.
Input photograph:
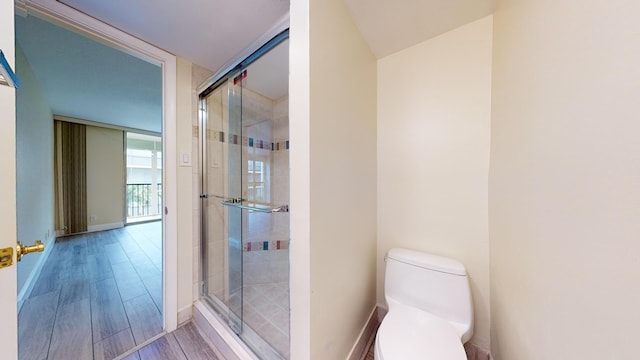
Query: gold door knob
(23, 250)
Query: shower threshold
(208, 318)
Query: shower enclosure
(244, 141)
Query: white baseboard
(475, 352)
(27, 288)
(366, 337)
(185, 314)
(102, 227)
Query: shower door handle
(239, 205)
(224, 198)
(206, 196)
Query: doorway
(101, 286)
(167, 61)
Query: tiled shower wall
(280, 166)
(268, 232)
(217, 177)
(266, 237)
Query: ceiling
(213, 33)
(209, 33)
(85, 79)
(392, 25)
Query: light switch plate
(185, 159)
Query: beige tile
(275, 337)
(252, 318)
(280, 319)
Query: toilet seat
(410, 334)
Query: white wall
(300, 186)
(333, 180)
(186, 197)
(565, 180)
(105, 178)
(434, 109)
(34, 171)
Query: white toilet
(430, 308)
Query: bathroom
(494, 143)
(345, 238)
(352, 209)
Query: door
(245, 184)
(8, 278)
(234, 215)
(222, 184)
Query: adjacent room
(89, 185)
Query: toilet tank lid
(427, 261)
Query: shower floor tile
(264, 300)
(266, 311)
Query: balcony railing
(140, 200)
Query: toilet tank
(431, 283)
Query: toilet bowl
(430, 309)
(412, 334)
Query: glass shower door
(222, 183)
(234, 214)
(245, 195)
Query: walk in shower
(244, 137)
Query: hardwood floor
(185, 343)
(98, 295)
(369, 355)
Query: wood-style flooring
(98, 296)
(185, 343)
(369, 355)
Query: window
(144, 177)
(256, 181)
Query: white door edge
(8, 275)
